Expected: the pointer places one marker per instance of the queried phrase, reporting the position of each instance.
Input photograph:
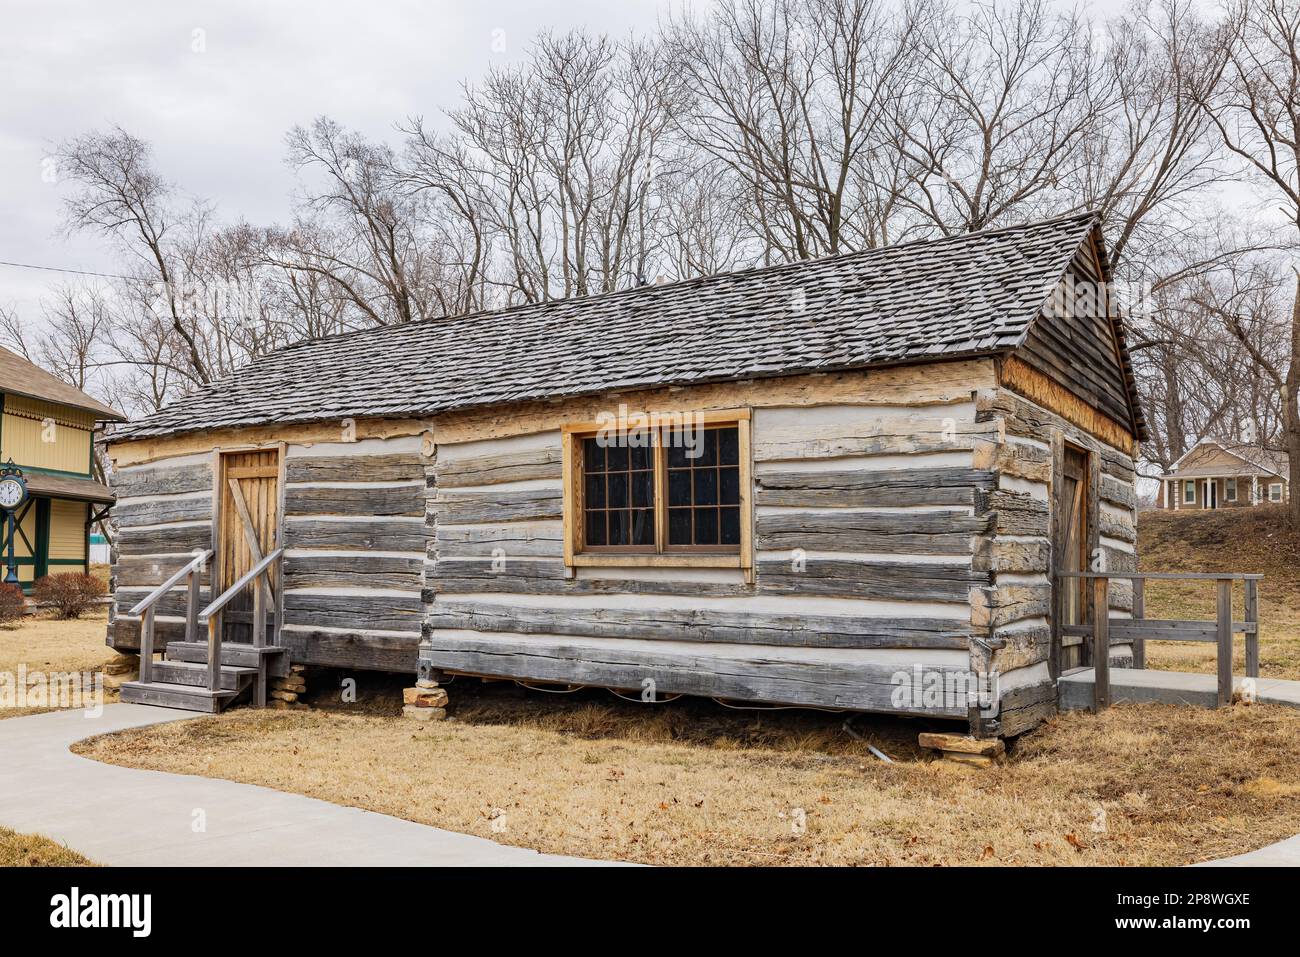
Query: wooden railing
(1139, 628)
(260, 577)
(145, 608)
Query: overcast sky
(216, 104)
(215, 86)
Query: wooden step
(232, 677)
(184, 697)
(238, 654)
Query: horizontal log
(355, 612)
(1023, 709)
(948, 486)
(1027, 462)
(152, 571)
(354, 500)
(389, 467)
(873, 580)
(911, 533)
(361, 650)
(165, 539)
(124, 634)
(750, 675)
(1019, 514)
(470, 508)
(377, 534)
(1117, 527)
(162, 510)
(1117, 493)
(1019, 556)
(705, 625)
(343, 571)
(512, 538)
(891, 436)
(525, 466)
(475, 576)
(166, 480)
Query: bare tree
(1256, 110)
(121, 195)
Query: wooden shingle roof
(20, 377)
(974, 294)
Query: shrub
(12, 603)
(69, 594)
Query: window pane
(706, 486)
(677, 458)
(643, 489)
(679, 526)
(618, 490)
(593, 456)
(706, 526)
(729, 492)
(730, 532)
(728, 446)
(708, 448)
(595, 528)
(616, 457)
(639, 457)
(595, 491)
(679, 487)
(643, 527)
(619, 532)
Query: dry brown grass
(45, 644)
(692, 784)
(32, 850)
(1242, 540)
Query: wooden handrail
(156, 595)
(146, 608)
(1138, 628)
(211, 617)
(225, 598)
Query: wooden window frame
(1189, 491)
(1281, 492)
(661, 555)
(1230, 490)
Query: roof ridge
(690, 282)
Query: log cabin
(47, 432)
(840, 483)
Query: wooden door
(1071, 555)
(248, 527)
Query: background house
(47, 428)
(1215, 474)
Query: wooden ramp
(1171, 687)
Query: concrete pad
(125, 816)
(1138, 685)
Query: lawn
(1241, 540)
(30, 850)
(690, 783)
(47, 645)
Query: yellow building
(47, 430)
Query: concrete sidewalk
(1138, 685)
(119, 816)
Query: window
(1275, 492)
(1230, 490)
(1189, 492)
(674, 492)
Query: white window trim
(1189, 492)
(1272, 488)
(1230, 490)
